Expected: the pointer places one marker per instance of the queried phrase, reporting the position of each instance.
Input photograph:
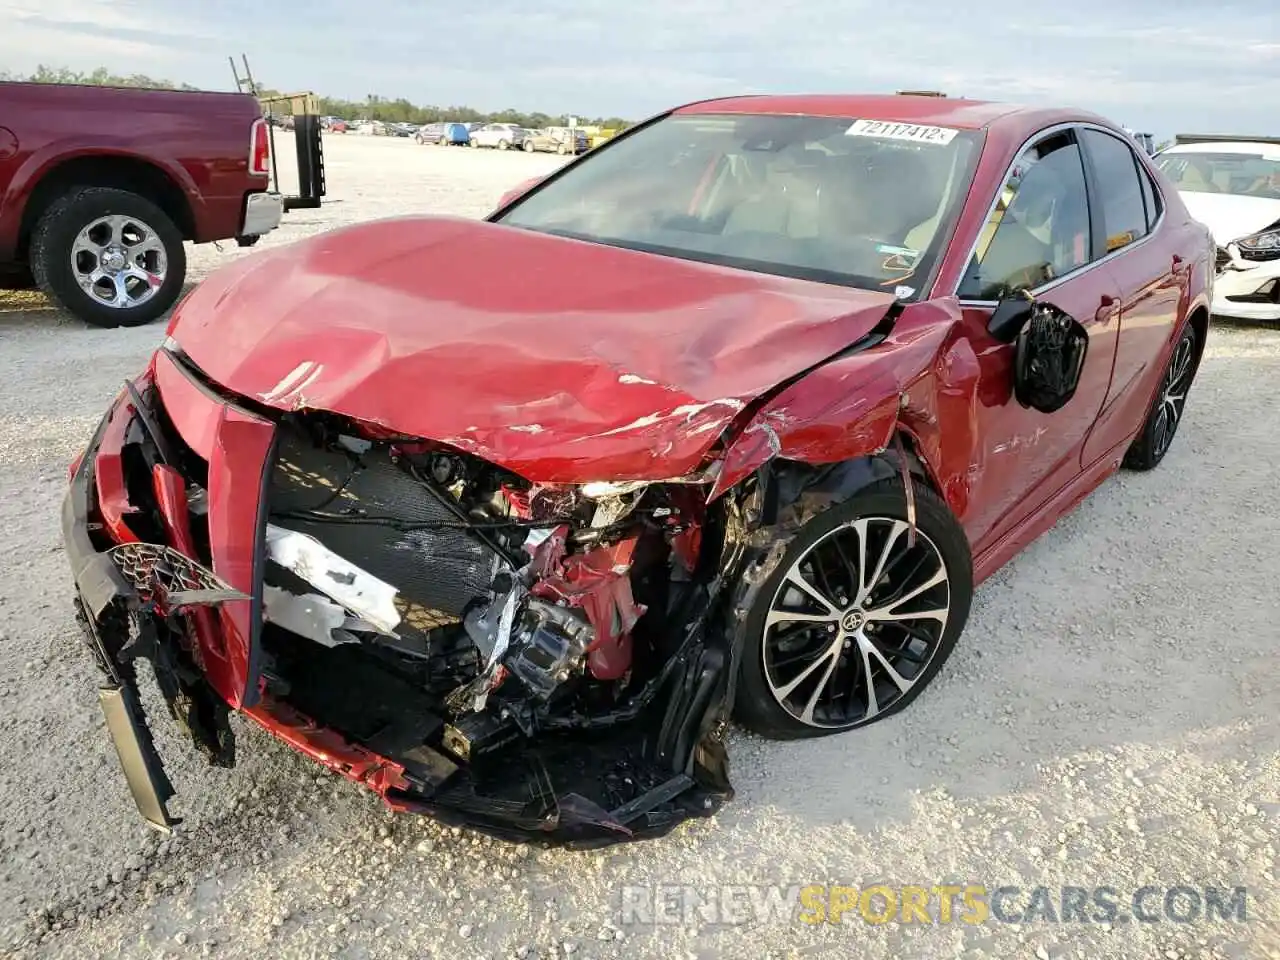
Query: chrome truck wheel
(112, 258)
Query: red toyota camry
(505, 518)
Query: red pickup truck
(100, 186)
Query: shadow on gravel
(22, 310)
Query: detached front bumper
(1247, 289)
(101, 592)
(144, 591)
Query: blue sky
(1160, 65)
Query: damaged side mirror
(1049, 352)
(1009, 316)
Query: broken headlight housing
(1261, 246)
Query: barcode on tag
(888, 130)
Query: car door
(1140, 255)
(1038, 238)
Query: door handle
(1107, 308)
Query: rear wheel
(112, 258)
(856, 620)
(528, 146)
(504, 144)
(562, 149)
(1158, 430)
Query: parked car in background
(402, 129)
(456, 135)
(100, 186)
(500, 136)
(1233, 187)
(732, 414)
(560, 140)
(335, 125)
(430, 133)
(444, 133)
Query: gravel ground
(1108, 719)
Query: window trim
(1091, 177)
(1094, 216)
(1157, 198)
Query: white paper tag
(912, 132)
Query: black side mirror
(1009, 316)
(1048, 358)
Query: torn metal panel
(360, 592)
(313, 616)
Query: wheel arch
(769, 507)
(113, 170)
(1199, 321)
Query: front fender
(837, 413)
(850, 407)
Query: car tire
(69, 231)
(504, 144)
(528, 146)
(562, 149)
(1161, 424)
(934, 577)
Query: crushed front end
(532, 660)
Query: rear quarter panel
(199, 139)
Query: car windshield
(840, 200)
(1239, 174)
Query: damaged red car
(507, 518)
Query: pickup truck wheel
(112, 258)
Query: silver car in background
(500, 136)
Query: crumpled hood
(561, 360)
(1230, 217)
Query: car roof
(1223, 146)
(962, 114)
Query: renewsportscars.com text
(972, 904)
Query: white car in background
(1233, 188)
(501, 136)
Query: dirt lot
(1109, 719)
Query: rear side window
(1119, 198)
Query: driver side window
(1039, 229)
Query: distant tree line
(373, 107)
